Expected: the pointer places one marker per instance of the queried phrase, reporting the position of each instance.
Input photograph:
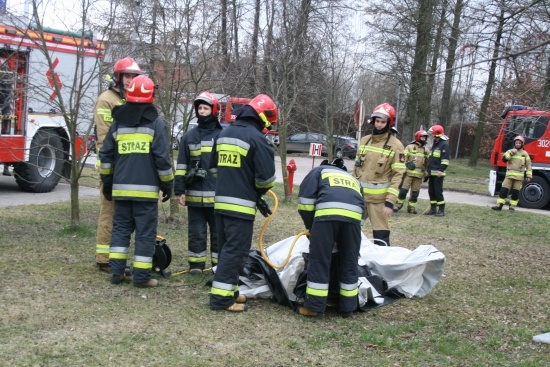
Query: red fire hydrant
(291, 167)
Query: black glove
(166, 193)
(108, 192)
(426, 178)
(263, 207)
(410, 165)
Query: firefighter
(332, 208)
(135, 164)
(379, 166)
(416, 162)
(195, 185)
(124, 71)
(518, 167)
(438, 163)
(245, 168)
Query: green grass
(461, 177)
(58, 310)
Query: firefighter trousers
(104, 228)
(324, 236)
(234, 241)
(199, 219)
(435, 190)
(141, 217)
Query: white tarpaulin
(411, 273)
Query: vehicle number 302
(544, 144)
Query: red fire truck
(34, 138)
(532, 124)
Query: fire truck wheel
(535, 194)
(43, 170)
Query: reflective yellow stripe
(351, 293)
(222, 292)
(142, 265)
(102, 249)
(317, 292)
(235, 208)
(181, 172)
(340, 212)
(136, 194)
(118, 256)
(135, 136)
(197, 259)
(306, 207)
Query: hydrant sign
(315, 149)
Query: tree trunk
(436, 53)
(485, 103)
(417, 110)
(254, 46)
(445, 112)
(223, 35)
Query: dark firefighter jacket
(135, 156)
(439, 158)
(328, 193)
(195, 153)
(244, 164)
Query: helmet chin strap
(267, 124)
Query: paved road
(10, 195)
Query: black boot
(441, 211)
(382, 236)
(432, 210)
(497, 207)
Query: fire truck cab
(532, 124)
(34, 136)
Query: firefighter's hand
(426, 178)
(513, 151)
(387, 211)
(166, 193)
(108, 192)
(263, 207)
(439, 173)
(181, 200)
(528, 179)
(97, 164)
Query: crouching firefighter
(416, 162)
(332, 207)
(135, 164)
(245, 167)
(518, 167)
(379, 166)
(196, 186)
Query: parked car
(345, 146)
(300, 142)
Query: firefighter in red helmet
(124, 70)
(195, 185)
(379, 166)
(135, 165)
(244, 165)
(437, 166)
(416, 162)
(518, 168)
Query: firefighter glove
(426, 178)
(410, 165)
(166, 193)
(263, 207)
(108, 192)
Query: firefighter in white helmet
(379, 166)
(416, 157)
(195, 186)
(124, 71)
(135, 165)
(518, 169)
